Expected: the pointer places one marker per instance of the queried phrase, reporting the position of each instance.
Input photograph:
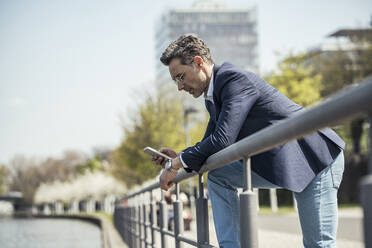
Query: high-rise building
(231, 34)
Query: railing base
(365, 198)
(248, 220)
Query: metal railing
(131, 213)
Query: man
(240, 103)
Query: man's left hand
(166, 179)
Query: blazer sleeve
(237, 98)
(209, 130)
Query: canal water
(48, 233)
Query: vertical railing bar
(370, 145)
(178, 218)
(273, 200)
(135, 230)
(127, 224)
(163, 220)
(145, 222)
(247, 175)
(119, 214)
(131, 227)
(248, 210)
(124, 224)
(152, 218)
(201, 186)
(202, 218)
(366, 193)
(139, 224)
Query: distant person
(240, 104)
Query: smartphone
(153, 152)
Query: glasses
(179, 79)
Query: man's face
(189, 78)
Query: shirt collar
(209, 95)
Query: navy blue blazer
(244, 104)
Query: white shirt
(207, 97)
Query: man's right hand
(160, 160)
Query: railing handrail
(350, 103)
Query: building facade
(231, 34)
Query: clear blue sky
(69, 69)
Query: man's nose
(180, 86)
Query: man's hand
(160, 160)
(166, 179)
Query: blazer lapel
(215, 93)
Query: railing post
(136, 225)
(257, 193)
(192, 200)
(120, 221)
(178, 218)
(273, 200)
(153, 218)
(145, 222)
(366, 194)
(163, 221)
(139, 219)
(202, 225)
(248, 210)
(126, 225)
(131, 228)
(294, 203)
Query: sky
(71, 71)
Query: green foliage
(4, 173)
(159, 123)
(91, 165)
(344, 132)
(335, 70)
(198, 129)
(297, 81)
(340, 69)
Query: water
(48, 233)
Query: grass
(349, 205)
(290, 209)
(100, 214)
(281, 210)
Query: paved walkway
(278, 239)
(285, 237)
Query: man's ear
(199, 62)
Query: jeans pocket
(337, 170)
(336, 178)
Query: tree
(158, 123)
(91, 165)
(25, 176)
(296, 80)
(4, 173)
(334, 68)
(340, 69)
(62, 169)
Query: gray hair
(186, 47)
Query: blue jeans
(317, 204)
